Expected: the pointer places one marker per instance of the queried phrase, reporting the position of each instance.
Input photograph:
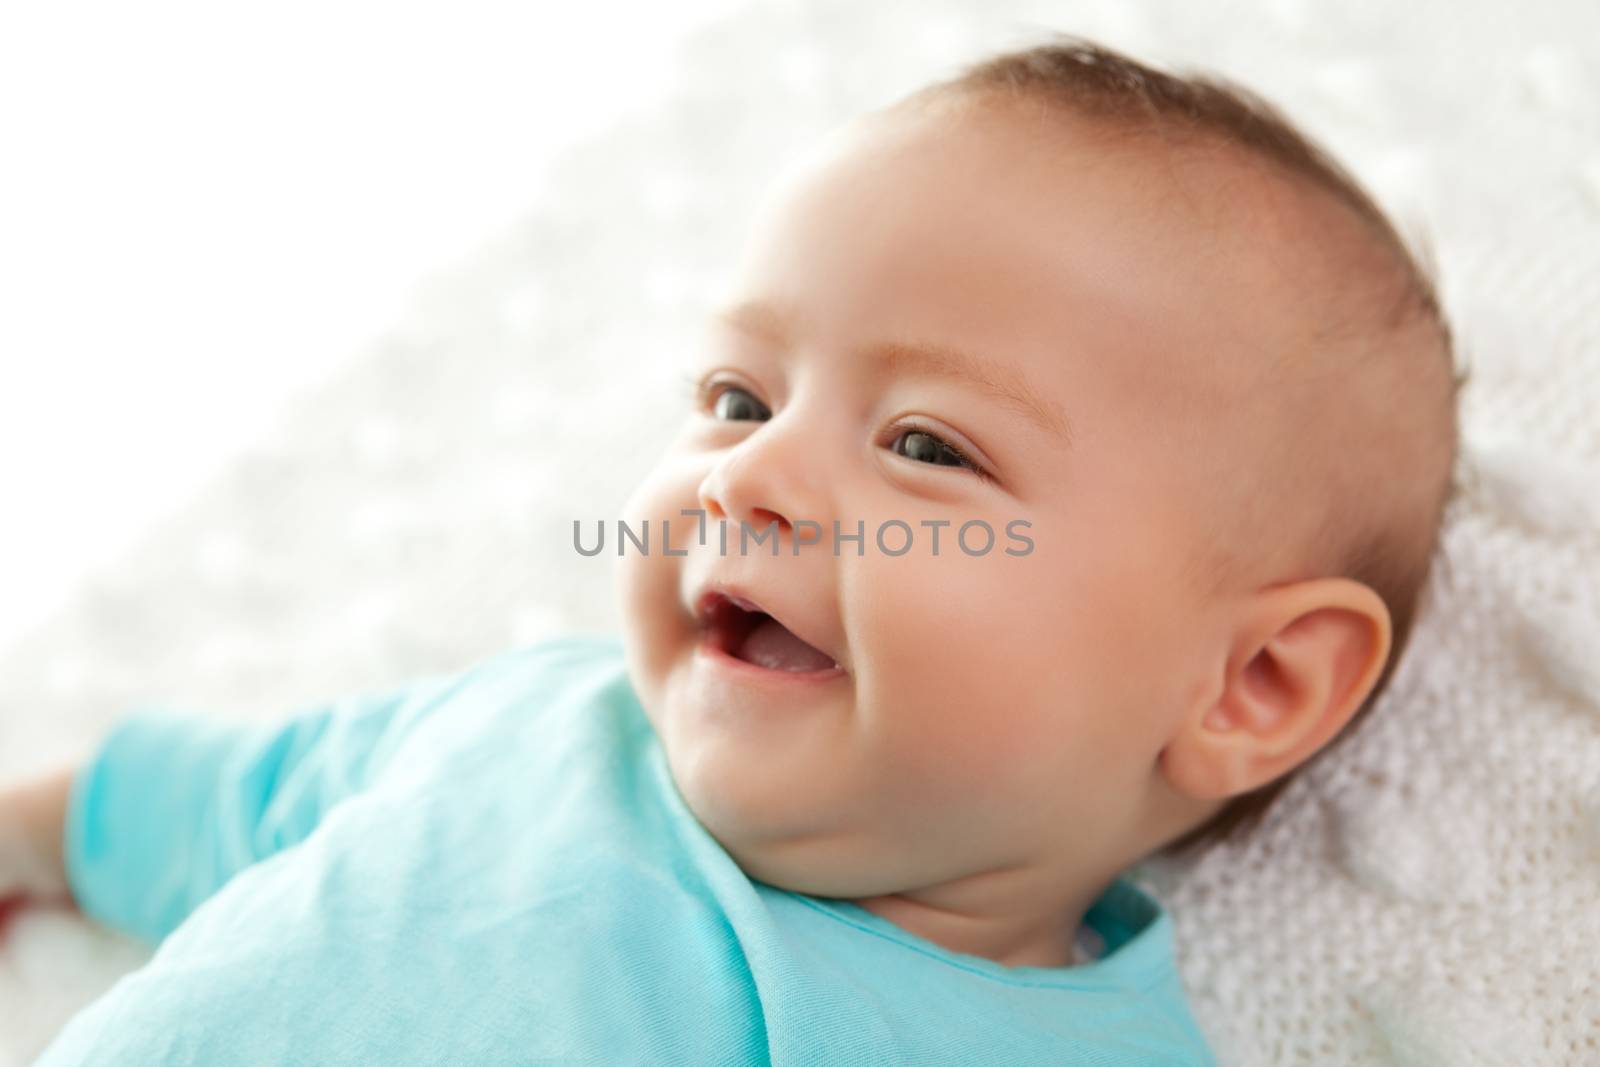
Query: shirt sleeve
(172, 805)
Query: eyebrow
(777, 325)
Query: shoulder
(574, 671)
(515, 701)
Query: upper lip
(711, 591)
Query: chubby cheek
(999, 683)
(653, 623)
(959, 688)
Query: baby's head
(1186, 376)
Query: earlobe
(1303, 659)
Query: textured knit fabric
(496, 868)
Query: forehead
(1051, 244)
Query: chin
(815, 868)
(773, 845)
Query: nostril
(763, 518)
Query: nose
(769, 477)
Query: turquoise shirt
(494, 867)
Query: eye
(924, 447)
(733, 403)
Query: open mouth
(742, 630)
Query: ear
(1302, 659)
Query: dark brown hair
(1093, 81)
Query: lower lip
(715, 656)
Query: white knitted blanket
(1428, 898)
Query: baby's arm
(32, 813)
(171, 806)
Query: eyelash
(705, 393)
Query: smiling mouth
(747, 633)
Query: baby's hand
(32, 816)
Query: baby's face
(928, 290)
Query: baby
(1064, 469)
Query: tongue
(772, 646)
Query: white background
(206, 206)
